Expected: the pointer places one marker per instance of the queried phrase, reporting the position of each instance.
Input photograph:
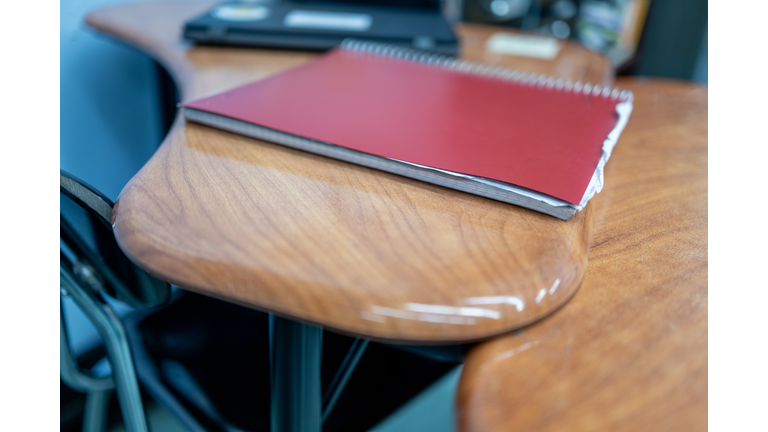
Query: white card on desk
(523, 45)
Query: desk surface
(629, 352)
(326, 242)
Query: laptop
(319, 26)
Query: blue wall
(110, 119)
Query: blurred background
(114, 110)
(639, 37)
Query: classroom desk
(353, 250)
(325, 242)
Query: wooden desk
(629, 352)
(325, 242)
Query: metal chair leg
(295, 353)
(113, 334)
(95, 416)
(96, 389)
(342, 376)
(70, 372)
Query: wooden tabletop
(330, 243)
(629, 351)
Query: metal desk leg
(295, 353)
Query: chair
(92, 266)
(207, 362)
(212, 373)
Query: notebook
(529, 140)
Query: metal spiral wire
(482, 69)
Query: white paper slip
(523, 45)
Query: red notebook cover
(539, 137)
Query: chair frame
(123, 377)
(296, 402)
(83, 284)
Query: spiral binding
(482, 69)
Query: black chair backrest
(90, 252)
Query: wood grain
(326, 242)
(629, 352)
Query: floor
(432, 410)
